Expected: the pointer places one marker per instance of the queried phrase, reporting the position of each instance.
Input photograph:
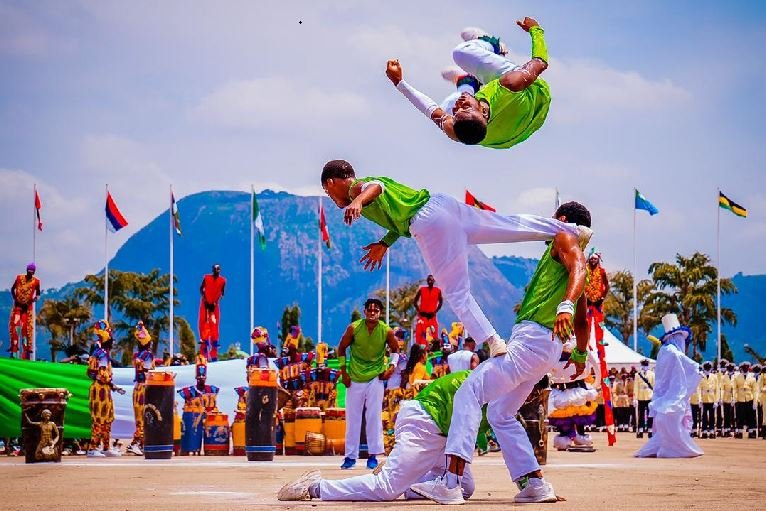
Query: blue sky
(664, 96)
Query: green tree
(402, 298)
(356, 315)
(618, 305)
(62, 317)
(188, 341)
(688, 289)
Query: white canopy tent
(618, 354)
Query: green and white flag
(258, 222)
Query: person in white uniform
(676, 378)
(465, 358)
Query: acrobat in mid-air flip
(511, 104)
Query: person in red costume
(212, 290)
(428, 302)
(596, 289)
(25, 291)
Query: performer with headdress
(676, 377)
(24, 291)
(293, 339)
(212, 290)
(143, 361)
(198, 400)
(100, 397)
(507, 110)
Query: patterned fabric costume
(199, 400)
(100, 397)
(210, 315)
(143, 361)
(293, 339)
(24, 292)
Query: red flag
(473, 201)
(323, 227)
(38, 207)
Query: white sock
(453, 481)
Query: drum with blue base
(217, 434)
(158, 417)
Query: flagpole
(106, 263)
(34, 260)
(171, 228)
(252, 264)
(635, 281)
(718, 272)
(319, 277)
(388, 284)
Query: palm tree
(618, 306)
(402, 298)
(688, 289)
(59, 317)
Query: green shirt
(544, 292)
(514, 116)
(438, 397)
(368, 351)
(394, 208)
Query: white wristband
(565, 306)
(417, 98)
(394, 359)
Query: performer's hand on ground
(394, 71)
(563, 328)
(352, 212)
(527, 23)
(345, 378)
(373, 259)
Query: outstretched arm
(426, 105)
(519, 79)
(345, 342)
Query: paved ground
(730, 476)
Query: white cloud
(271, 102)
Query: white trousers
(359, 395)
(477, 58)
(504, 383)
(444, 229)
(418, 456)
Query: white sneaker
(437, 491)
(583, 440)
(95, 453)
(471, 33)
(497, 346)
(135, 449)
(299, 489)
(453, 73)
(561, 443)
(112, 453)
(538, 490)
(583, 236)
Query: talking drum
(216, 434)
(315, 444)
(159, 408)
(42, 423)
(288, 424)
(307, 419)
(335, 430)
(238, 437)
(261, 411)
(533, 416)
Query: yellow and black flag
(727, 203)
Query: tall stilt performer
(428, 302)
(212, 289)
(548, 316)
(24, 291)
(596, 290)
(507, 110)
(143, 361)
(100, 398)
(677, 377)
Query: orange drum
(288, 420)
(176, 432)
(335, 431)
(238, 437)
(216, 434)
(307, 419)
(315, 444)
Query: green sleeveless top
(544, 292)
(368, 351)
(394, 208)
(514, 116)
(438, 399)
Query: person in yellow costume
(621, 402)
(322, 349)
(143, 362)
(709, 394)
(760, 398)
(643, 388)
(100, 397)
(726, 389)
(294, 338)
(744, 393)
